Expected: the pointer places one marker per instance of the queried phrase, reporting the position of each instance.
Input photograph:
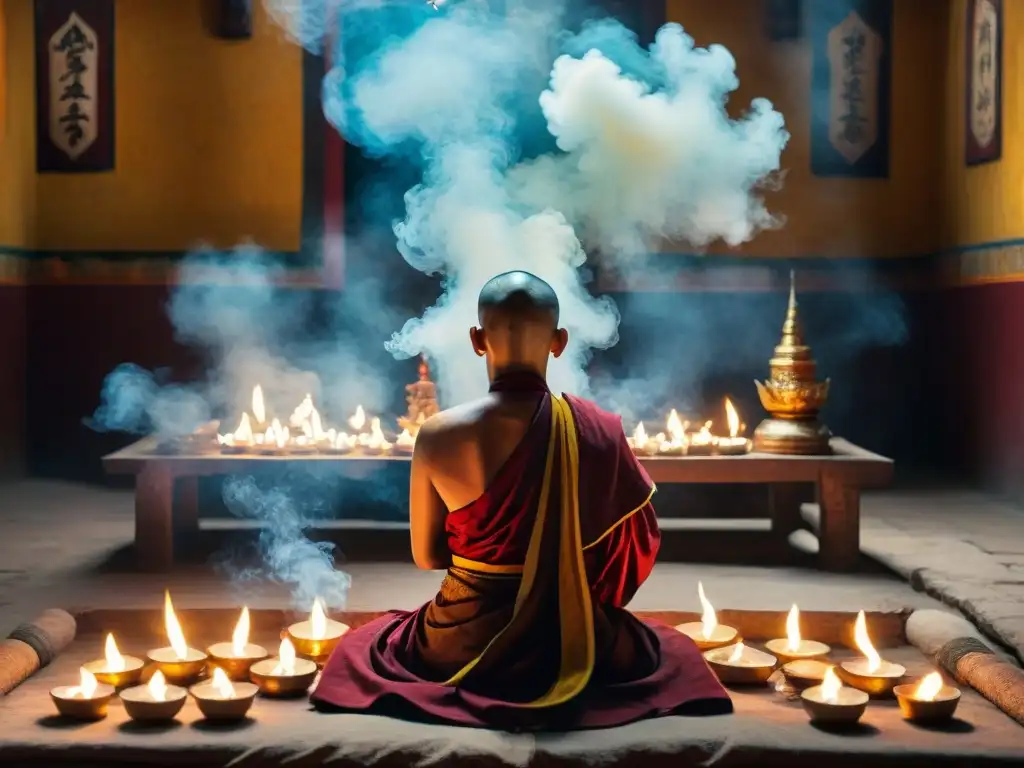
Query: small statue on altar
(422, 399)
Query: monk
(541, 516)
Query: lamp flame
(285, 659)
(793, 629)
(675, 427)
(258, 409)
(830, 686)
(240, 638)
(86, 686)
(174, 633)
(405, 440)
(639, 436)
(115, 661)
(708, 619)
(243, 434)
(732, 418)
(860, 635)
(222, 684)
(318, 620)
(358, 419)
(158, 686)
(737, 653)
(929, 687)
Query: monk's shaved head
(518, 323)
(517, 298)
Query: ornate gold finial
(793, 395)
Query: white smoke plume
(640, 157)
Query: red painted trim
(334, 203)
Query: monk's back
(466, 446)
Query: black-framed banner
(984, 82)
(74, 46)
(850, 87)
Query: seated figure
(542, 517)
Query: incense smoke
(639, 148)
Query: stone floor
(956, 547)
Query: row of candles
(805, 666)
(238, 670)
(679, 440)
(306, 433)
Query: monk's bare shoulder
(446, 430)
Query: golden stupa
(792, 396)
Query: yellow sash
(576, 618)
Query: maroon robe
(493, 648)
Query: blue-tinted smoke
(639, 149)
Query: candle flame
(285, 659)
(240, 638)
(258, 409)
(732, 418)
(675, 427)
(158, 686)
(737, 653)
(860, 635)
(405, 439)
(243, 434)
(318, 620)
(115, 661)
(639, 436)
(174, 633)
(358, 419)
(793, 629)
(86, 686)
(708, 620)
(830, 686)
(929, 687)
(222, 684)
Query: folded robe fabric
(33, 645)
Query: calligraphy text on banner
(984, 68)
(74, 45)
(850, 87)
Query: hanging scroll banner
(74, 45)
(984, 81)
(850, 87)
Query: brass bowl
(807, 651)
(179, 671)
(878, 684)
(741, 674)
(262, 673)
(215, 708)
(942, 707)
(805, 673)
(792, 399)
(235, 667)
(76, 708)
(129, 676)
(848, 710)
(721, 637)
(140, 706)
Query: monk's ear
(559, 342)
(479, 340)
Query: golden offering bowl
(271, 684)
(235, 667)
(311, 646)
(805, 673)
(806, 650)
(75, 707)
(878, 683)
(215, 707)
(129, 676)
(848, 708)
(720, 637)
(753, 668)
(918, 710)
(180, 671)
(140, 704)
(792, 398)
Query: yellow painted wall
(841, 217)
(985, 203)
(208, 139)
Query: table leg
(186, 510)
(784, 500)
(839, 523)
(154, 525)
